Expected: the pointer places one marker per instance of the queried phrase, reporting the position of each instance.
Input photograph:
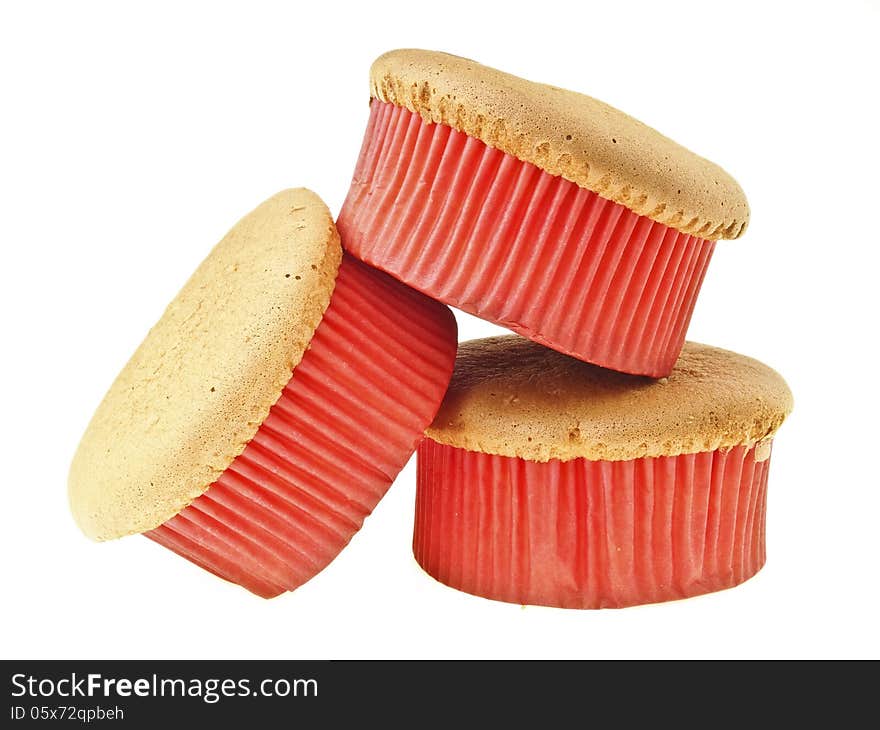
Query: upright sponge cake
(545, 480)
(537, 208)
(271, 406)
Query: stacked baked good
(593, 459)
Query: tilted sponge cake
(204, 378)
(270, 408)
(537, 208)
(565, 133)
(545, 480)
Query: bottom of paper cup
(590, 534)
(478, 229)
(351, 416)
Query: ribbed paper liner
(348, 420)
(500, 238)
(589, 534)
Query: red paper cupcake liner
(502, 239)
(351, 416)
(590, 534)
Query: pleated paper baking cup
(352, 414)
(591, 534)
(500, 238)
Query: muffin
(270, 408)
(539, 209)
(546, 480)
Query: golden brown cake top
(512, 397)
(565, 133)
(198, 387)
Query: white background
(130, 140)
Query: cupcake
(539, 209)
(270, 408)
(545, 480)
